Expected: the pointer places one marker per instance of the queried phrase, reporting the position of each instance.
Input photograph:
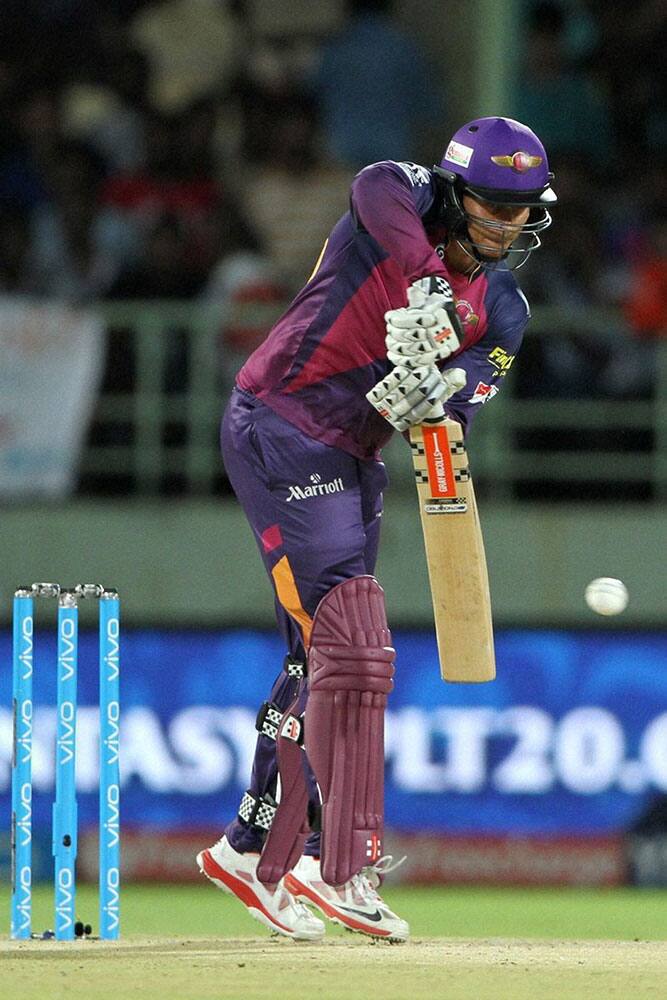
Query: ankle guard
(284, 844)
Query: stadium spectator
(567, 104)
(14, 248)
(646, 304)
(629, 50)
(567, 363)
(76, 247)
(177, 179)
(293, 192)
(32, 136)
(376, 91)
(111, 115)
(193, 49)
(164, 270)
(247, 295)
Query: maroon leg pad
(284, 843)
(350, 670)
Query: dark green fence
(170, 367)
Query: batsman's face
(493, 228)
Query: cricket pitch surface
(249, 968)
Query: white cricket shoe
(272, 905)
(356, 904)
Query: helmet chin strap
(478, 263)
(472, 252)
(482, 263)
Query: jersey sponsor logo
(466, 313)
(458, 153)
(501, 360)
(318, 489)
(483, 392)
(519, 162)
(414, 172)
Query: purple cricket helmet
(502, 162)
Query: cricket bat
(454, 553)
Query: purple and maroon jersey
(328, 349)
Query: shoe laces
(298, 908)
(370, 877)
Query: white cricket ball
(607, 596)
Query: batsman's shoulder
(406, 171)
(391, 179)
(417, 175)
(508, 304)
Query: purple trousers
(315, 512)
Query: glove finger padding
(407, 324)
(407, 396)
(431, 410)
(420, 347)
(455, 379)
(403, 383)
(411, 395)
(428, 329)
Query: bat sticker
(439, 462)
(458, 505)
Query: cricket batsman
(412, 311)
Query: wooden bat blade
(454, 553)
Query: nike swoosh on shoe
(376, 917)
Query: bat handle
(436, 414)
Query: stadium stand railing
(171, 365)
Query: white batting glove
(409, 396)
(428, 329)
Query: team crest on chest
(467, 314)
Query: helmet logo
(520, 162)
(458, 153)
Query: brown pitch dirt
(144, 968)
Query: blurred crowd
(201, 150)
(589, 87)
(182, 148)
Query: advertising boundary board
(536, 776)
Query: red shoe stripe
(240, 889)
(293, 885)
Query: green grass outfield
(195, 943)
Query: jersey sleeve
(487, 362)
(388, 201)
